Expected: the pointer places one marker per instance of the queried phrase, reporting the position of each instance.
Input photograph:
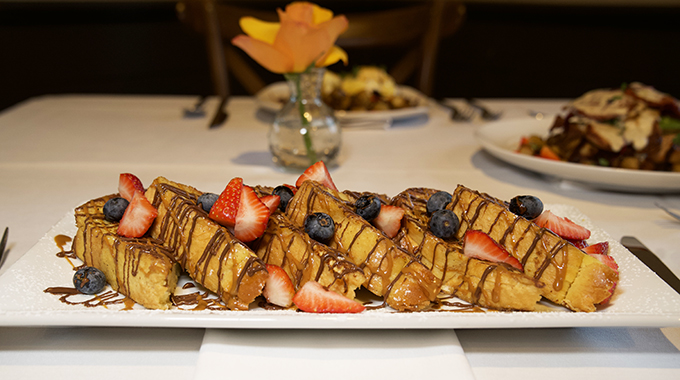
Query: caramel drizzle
(173, 230)
(382, 273)
(484, 200)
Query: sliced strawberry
(601, 248)
(548, 153)
(580, 244)
(481, 246)
(272, 202)
(128, 185)
(606, 260)
(319, 173)
(226, 206)
(563, 227)
(252, 216)
(278, 289)
(389, 220)
(138, 217)
(313, 298)
(611, 292)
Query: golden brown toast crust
(208, 252)
(140, 269)
(304, 259)
(571, 277)
(479, 282)
(390, 271)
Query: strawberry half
(606, 260)
(389, 220)
(128, 185)
(601, 248)
(481, 246)
(272, 202)
(226, 206)
(252, 216)
(313, 298)
(138, 217)
(319, 173)
(563, 227)
(278, 289)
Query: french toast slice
(571, 277)
(207, 251)
(391, 272)
(476, 281)
(139, 268)
(304, 259)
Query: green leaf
(603, 161)
(669, 124)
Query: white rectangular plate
(642, 299)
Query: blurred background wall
(524, 49)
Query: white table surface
(59, 151)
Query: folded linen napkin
(331, 354)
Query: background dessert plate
(642, 299)
(270, 99)
(501, 139)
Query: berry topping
(389, 220)
(320, 227)
(285, 192)
(278, 289)
(319, 173)
(89, 280)
(138, 217)
(207, 200)
(481, 246)
(251, 217)
(562, 227)
(601, 248)
(368, 207)
(527, 206)
(114, 209)
(438, 201)
(313, 298)
(128, 185)
(444, 224)
(226, 206)
(272, 202)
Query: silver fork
(457, 114)
(486, 113)
(668, 211)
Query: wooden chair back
(415, 29)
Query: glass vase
(305, 130)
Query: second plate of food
(501, 140)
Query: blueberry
(114, 209)
(320, 227)
(527, 206)
(368, 207)
(89, 280)
(285, 193)
(444, 224)
(207, 200)
(438, 201)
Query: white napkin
(331, 354)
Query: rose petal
(336, 54)
(264, 54)
(260, 30)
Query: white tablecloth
(59, 151)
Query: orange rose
(306, 35)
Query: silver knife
(220, 116)
(651, 261)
